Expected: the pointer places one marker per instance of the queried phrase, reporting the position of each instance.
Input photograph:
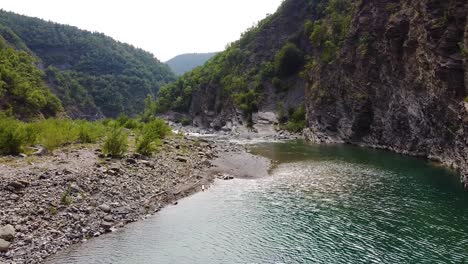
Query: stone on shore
(106, 225)
(105, 208)
(181, 159)
(7, 232)
(4, 245)
(41, 151)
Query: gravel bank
(58, 200)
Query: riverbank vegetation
(114, 135)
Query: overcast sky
(164, 27)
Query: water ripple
(342, 206)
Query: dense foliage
(91, 73)
(22, 89)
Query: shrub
(288, 60)
(122, 119)
(131, 124)
(89, 132)
(151, 135)
(11, 136)
(157, 129)
(247, 101)
(308, 27)
(116, 143)
(146, 146)
(319, 34)
(106, 121)
(329, 52)
(282, 117)
(185, 121)
(277, 84)
(31, 133)
(66, 199)
(267, 70)
(297, 120)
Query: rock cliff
(404, 90)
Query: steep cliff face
(399, 82)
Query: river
(321, 204)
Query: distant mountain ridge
(186, 62)
(93, 75)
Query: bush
(247, 101)
(131, 124)
(319, 34)
(116, 143)
(267, 71)
(288, 60)
(146, 146)
(297, 120)
(89, 132)
(329, 52)
(151, 135)
(277, 84)
(31, 133)
(122, 119)
(106, 121)
(11, 136)
(157, 129)
(185, 121)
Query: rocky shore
(51, 202)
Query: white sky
(166, 28)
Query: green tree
(289, 60)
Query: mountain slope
(247, 76)
(183, 63)
(91, 73)
(389, 74)
(23, 92)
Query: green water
(322, 204)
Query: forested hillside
(22, 90)
(186, 62)
(257, 72)
(92, 74)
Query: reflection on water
(322, 204)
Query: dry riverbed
(51, 202)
